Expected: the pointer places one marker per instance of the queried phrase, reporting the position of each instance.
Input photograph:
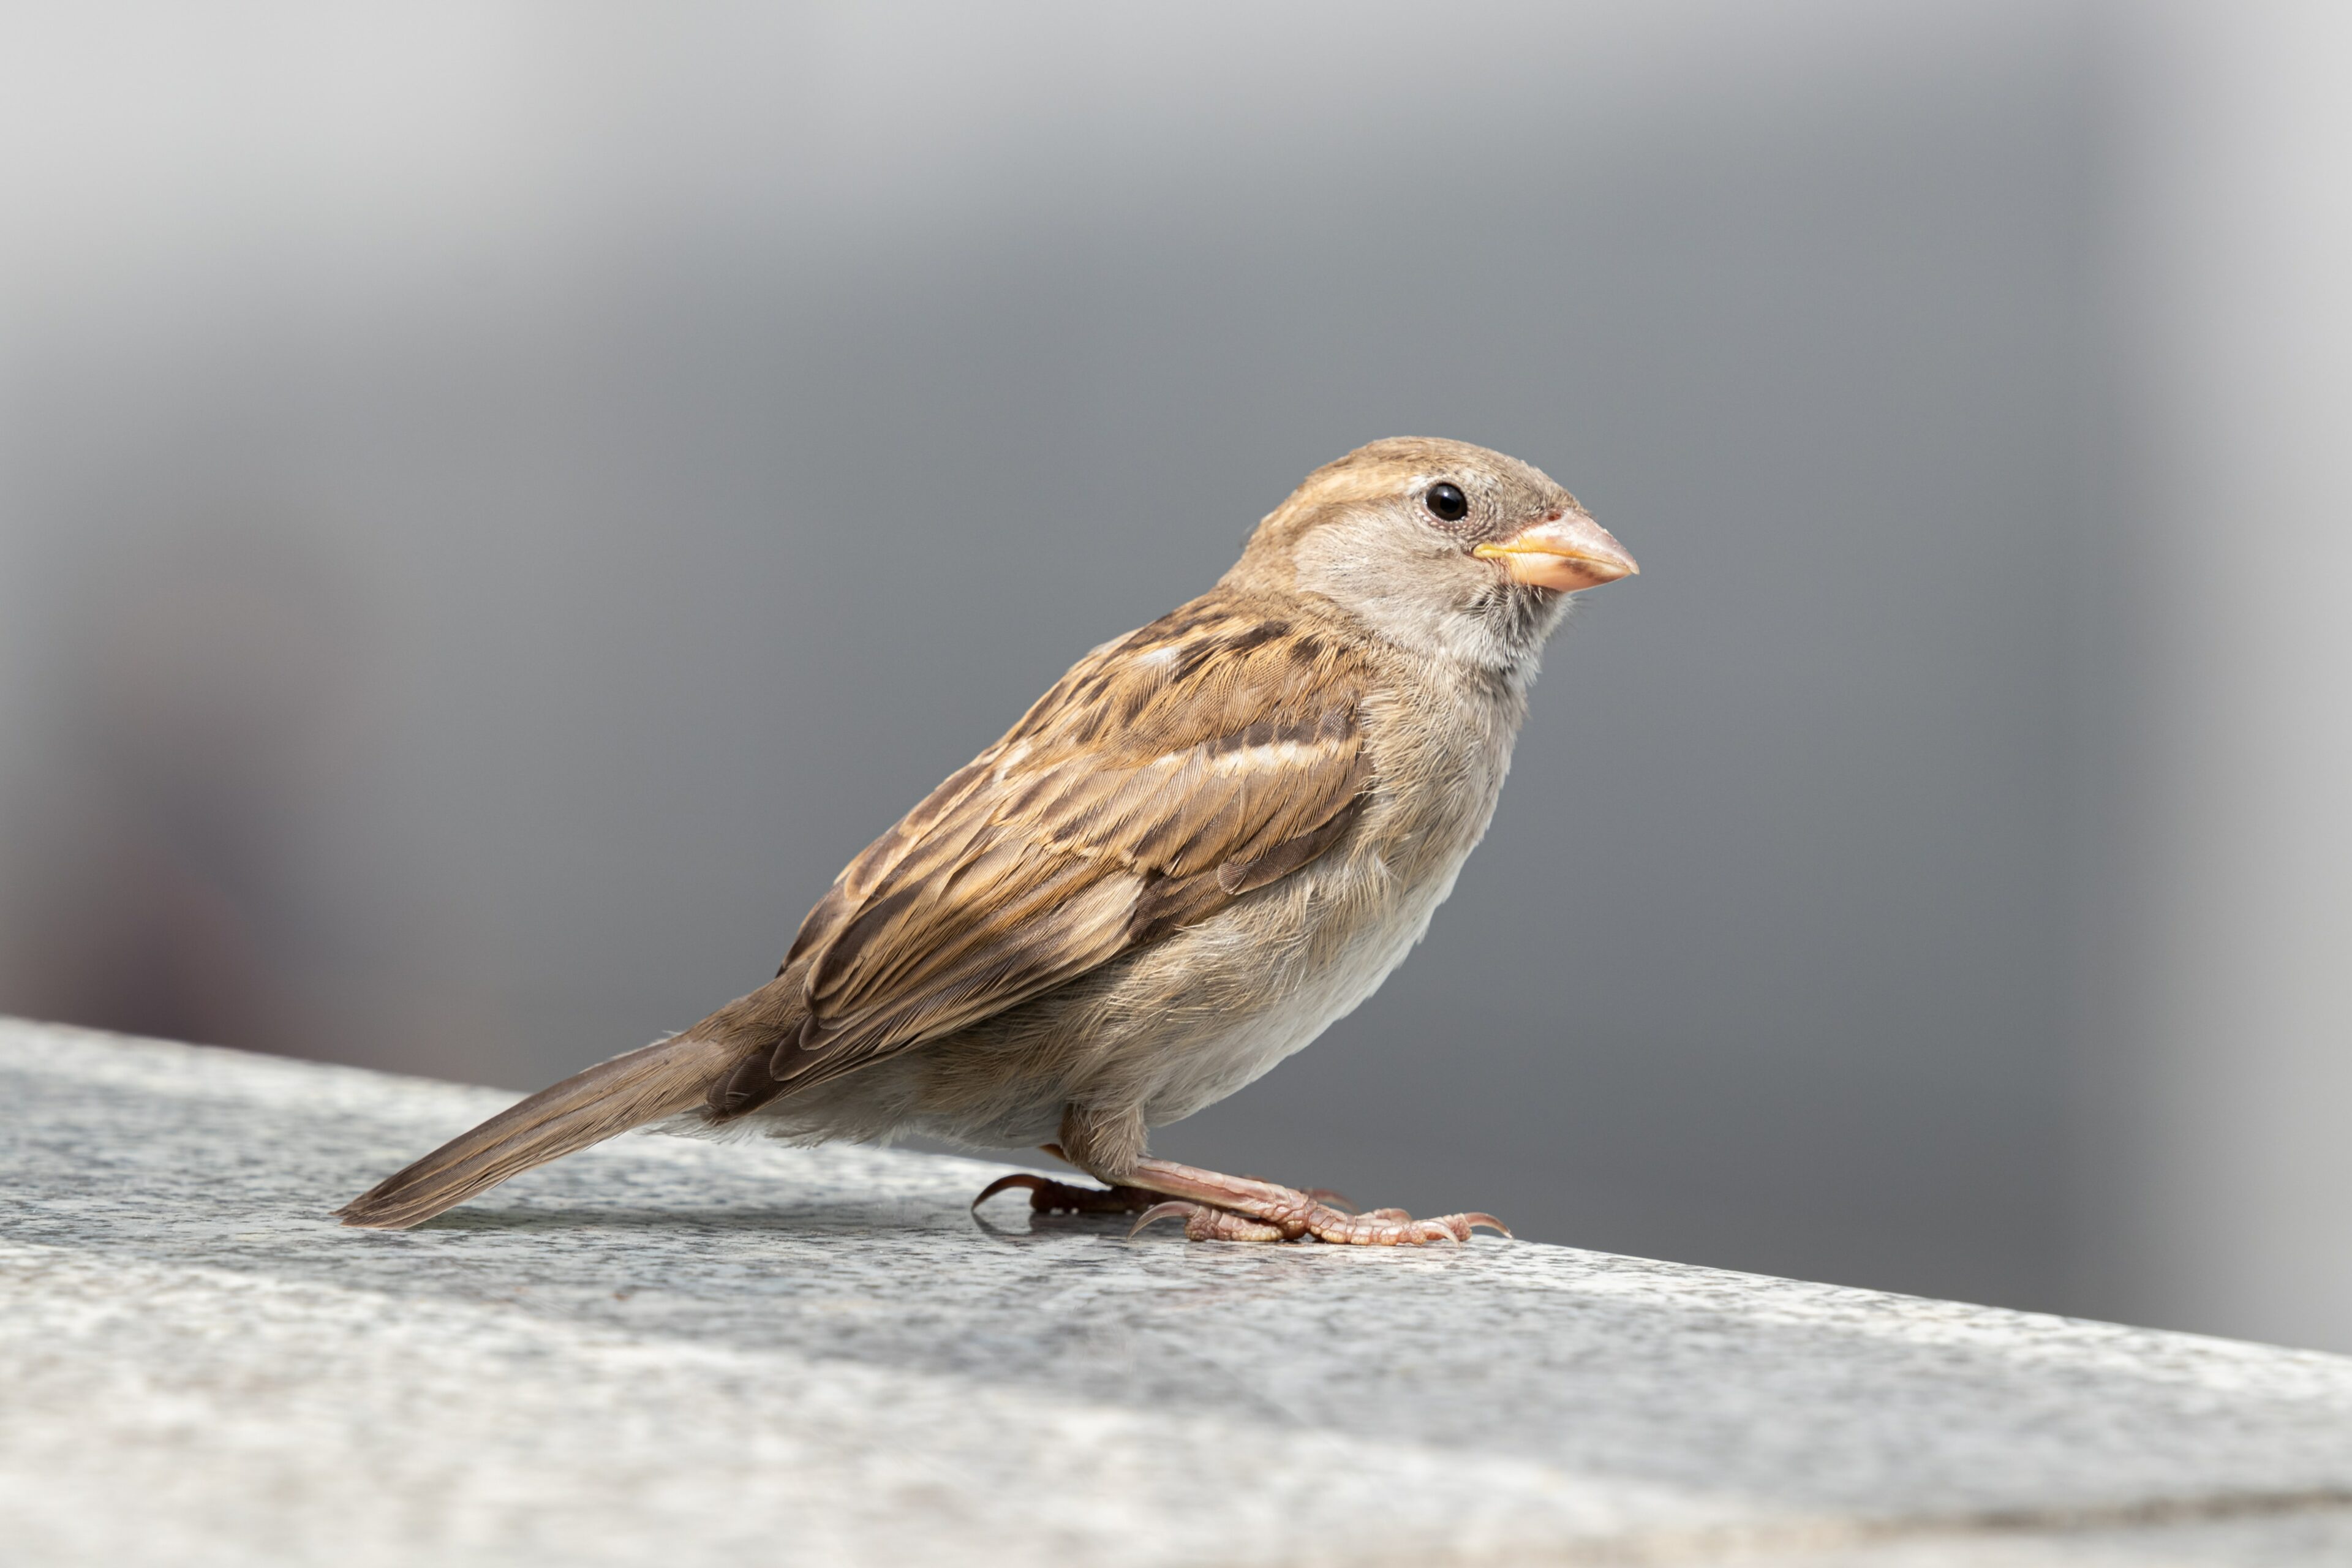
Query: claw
(1157, 1212)
(1470, 1222)
(1006, 1184)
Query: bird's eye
(1446, 503)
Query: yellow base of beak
(1562, 553)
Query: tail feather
(612, 1097)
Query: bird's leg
(1242, 1208)
(1047, 1195)
(1213, 1207)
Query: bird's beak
(1562, 553)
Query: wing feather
(1203, 757)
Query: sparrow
(1211, 838)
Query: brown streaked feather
(1202, 758)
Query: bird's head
(1446, 547)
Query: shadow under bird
(1212, 837)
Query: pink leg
(1240, 1208)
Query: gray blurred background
(498, 502)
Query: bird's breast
(1236, 995)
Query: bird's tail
(612, 1097)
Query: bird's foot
(1049, 1196)
(1242, 1208)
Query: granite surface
(675, 1351)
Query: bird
(1210, 839)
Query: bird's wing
(1164, 776)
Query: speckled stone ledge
(666, 1350)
